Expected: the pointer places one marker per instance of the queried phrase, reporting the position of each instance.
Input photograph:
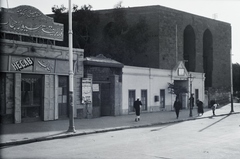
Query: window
(131, 99)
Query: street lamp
(191, 95)
(231, 76)
(71, 74)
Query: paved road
(15, 134)
(209, 138)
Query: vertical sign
(86, 90)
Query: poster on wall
(86, 90)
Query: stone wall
(166, 33)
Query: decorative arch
(208, 57)
(189, 48)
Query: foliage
(123, 41)
(58, 10)
(176, 89)
(84, 21)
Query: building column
(17, 98)
(116, 95)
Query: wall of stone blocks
(166, 33)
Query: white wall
(139, 78)
(152, 80)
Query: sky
(224, 10)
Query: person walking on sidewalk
(137, 105)
(177, 106)
(191, 101)
(200, 107)
(214, 107)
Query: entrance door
(105, 100)
(31, 97)
(62, 97)
(162, 98)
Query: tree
(84, 21)
(122, 40)
(176, 89)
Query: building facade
(152, 87)
(34, 72)
(106, 92)
(203, 44)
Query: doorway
(106, 109)
(31, 97)
(162, 98)
(63, 97)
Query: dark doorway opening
(208, 57)
(189, 52)
(31, 97)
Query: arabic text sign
(29, 21)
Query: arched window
(189, 48)
(208, 57)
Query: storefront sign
(95, 87)
(21, 64)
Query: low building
(152, 87)
(34, 72)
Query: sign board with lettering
(29, 21)
(20, 64)
(86, 90)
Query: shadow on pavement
(163, 127)
(214, 122)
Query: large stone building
(203, 43)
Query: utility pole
(176, 45)
(231, 74)
(191, 97)
(71, 74)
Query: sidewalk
(14, 134)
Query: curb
(27, 141)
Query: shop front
(34, 75)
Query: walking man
(200, 107)
(137, 105)
(177, 106)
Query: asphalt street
(215, 137)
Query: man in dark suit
(137, 105)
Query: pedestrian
(137, 105)
(191, 101)
(214, 107)
(177, 106)
(200, 107)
